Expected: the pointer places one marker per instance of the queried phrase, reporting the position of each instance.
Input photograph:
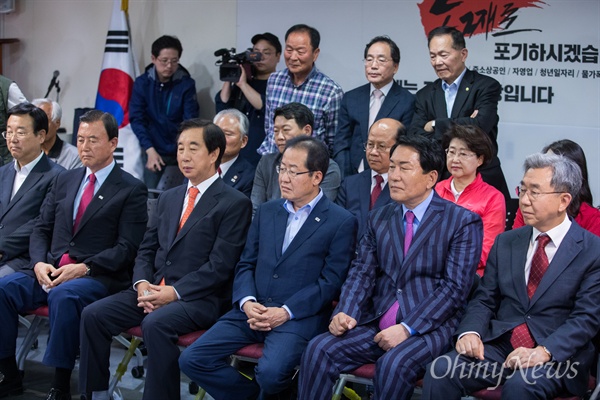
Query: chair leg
(30, 337)
(338, 388)
(122, 367)
(201, 394)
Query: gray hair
(56, 109)
(566, 174)
(243, 122)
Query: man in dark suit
(459, 96)
(82, 248)
(183, 272)
(296, 257)
(407, 287)
(382, 97)
(369, 189)
(235, 170)
(531, 322)
(23, 184)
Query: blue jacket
(156, 109)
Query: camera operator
(248, 93)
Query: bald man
(367, 190)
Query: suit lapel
(108, 189)
(364, 192)
(317, 218)
(279, 225)
(8, 179)
(518, 258)
(439, 99)
(396, 230)
(206, 203)
(384, 198)
(431, 221)
(389, 102)
(565, 254)
(462, 94)
(234, 172)
(362, 108)
(175, 211)
(34, 176)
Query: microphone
(52, 82)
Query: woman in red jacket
(468, 149)
(581, 207)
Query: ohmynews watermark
(498, 372)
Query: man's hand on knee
(341, 323)
(470, 345)
(391, 337)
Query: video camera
(230, 62)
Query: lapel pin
(317, 219)
(467, 89)
(101, 197)
(235, 177)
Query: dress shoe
(57, 394)
(11, 387)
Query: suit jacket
(564, 312)
(199, 260)
(308, 276)
(355, 196)
(431, 284)
(266, 181)
(353, 125)
(17, 215)
(240, 176)
(108, 235)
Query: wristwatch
(88, 270)
(433, 123)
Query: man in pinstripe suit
(406, 290)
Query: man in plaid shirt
(302, 82)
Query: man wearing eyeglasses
(534, 316)
(368, 190)
(248, 94)
(23, 184)
(163, 97)
(296, 258)
(459, 96)
(382, 97)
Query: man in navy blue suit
(23, 184)
(183, 273)
(382, 97)
(531, 322)
(369, 189)
(82, 247)
(296, 258)
(407, 287)
(235, 170)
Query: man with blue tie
(407, 286)
(381, 98)
(369, 189)
(531, 323)
(82, 248)
(296, 258)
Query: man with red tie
(82, 247)
(531, 322)
(183, 273)
(363, 192)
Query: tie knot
(543, 240)
(377, 93)
(193, 192)
(378, 179)
(92, 178)
(410, 217)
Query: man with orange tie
(363, 192)
(183, 273)
(531, 322)
(82, 247)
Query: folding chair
(362, 375)
(35, 327)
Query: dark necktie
(376, 191)
(86, 199)
(521, 336)
(389, 318)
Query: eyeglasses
(291, 174)
(532, 194)
(451, 153)
(165, 61)
(380, 60)
(381, 148)
(19, 134)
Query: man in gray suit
(23, 184)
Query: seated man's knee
(271, 378)
(440, 368)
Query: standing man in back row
(460, 96)
(382, 97)
(162, 98)
(302, 82)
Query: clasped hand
(261, 318)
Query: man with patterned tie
(183, 273)
(381, 98)
(82, 248)
(407, 287)
(531, 322)
(297, 255)
(369, 189)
